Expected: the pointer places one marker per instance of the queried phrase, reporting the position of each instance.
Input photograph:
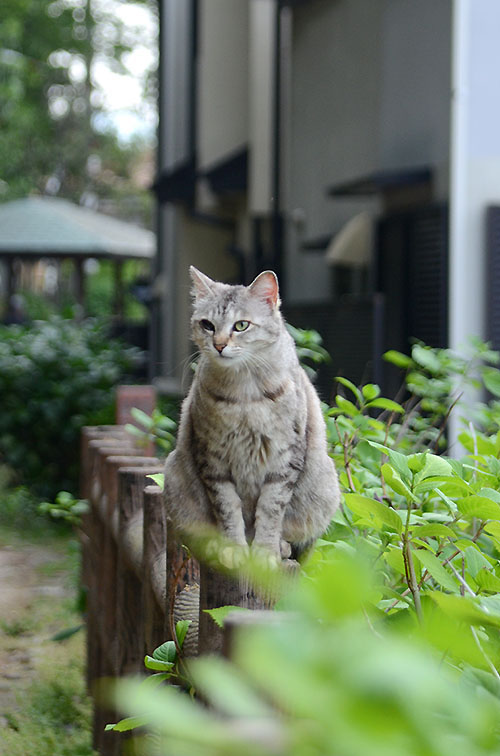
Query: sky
(123, 106)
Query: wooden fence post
(91, 433)
(105, 569)
(93, 539)
(216, 590)
(154, 589)
(129, 648)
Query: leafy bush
(157, 428)
(309, 349)
(334, 678)
(55, 377)
(393, 643)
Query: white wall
(223, 79)
(261, 92)
(414, 118)
(370, 89)
(335, 91)
(475, 160)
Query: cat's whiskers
(259, 361)
(187, 364)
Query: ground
(42, 691)
(23, 582)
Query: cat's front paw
(285, 549)
(269, 552)
(233, 556)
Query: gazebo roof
(53, 227)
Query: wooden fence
(138, 580)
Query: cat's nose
(220, 347)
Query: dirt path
(30, 582)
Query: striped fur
(251, 453)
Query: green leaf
(124, 725)
(435, 568)
(416, 462)
(397, 358)
(479, 506)
(375, 511)
(475, 561)
(228, 689)
(370, 391)
(347, 407)
(394, 558)
(433, 530)
(350, 385)
(484, 680)
(153, 681)
(394, 481)
(491, 378)
(134, 430)
(493, 528)
(487, 581)
(158, 479)
(67, 633)
(426, 358)
(220, 613)
(181, 629)
(398, 461)
(452, 486)
(436, 466)
(490, 493)
(158, 665)
(464, 608)
(142, 418)
(167, 652)
(386, 404)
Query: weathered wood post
(154, 584)
(129, 611)
(92, 540)
(216, 590)
(104, 568)
(104, 588)
(91, 433)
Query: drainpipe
(277, 218)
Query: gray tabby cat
(251, 452)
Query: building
(351, 145)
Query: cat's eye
(241, 325)
(207, 325)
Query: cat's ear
(202, 284)
(266, 288)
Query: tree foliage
(54, 135)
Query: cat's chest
(245, 437)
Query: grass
(50, 714)
(55, 716)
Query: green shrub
(55, 377)
(334, 679)
(392, 645)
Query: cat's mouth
(224, 356)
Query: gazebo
(47, 227)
